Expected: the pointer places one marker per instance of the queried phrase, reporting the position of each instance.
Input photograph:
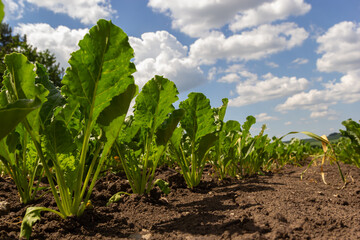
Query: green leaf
(112, 118)
(310, 134)
(219, 112)
(206, 142)
(154, 102)
(14, 113)
(59, 139)
(352, 132)
(20, 79)
(2, 13)
(117, 197)
(198, 120)
(100, 69)
(20, 84)
(163, 185)
(250, 120)
(229, 134)
(32, 215)
(165, 132)
(54, 99)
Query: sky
(293, 64)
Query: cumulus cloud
(230, 78)
(87, 11)
(340, 47)
(268, 87)
(268, 12)
(249, 45)
(196, 18)
(61, 40)
(264, 117)
(13, 9)
(160, 53)
(300, 61)
(319, 101)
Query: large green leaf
(14, 113)
(59, 139)
(2, 13)
(20, 79)
(112, 117)
(20, 84)
(198, 120)
(99, 70)
(154, 102)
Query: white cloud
(288, 123)
(88, 11)
(269, 87)
(340, 47)
(249, 45)
(318, 101)
(235, 68)
(230, 78)
(300, 61)
(211, 73)
(272, 64)
(61, 40)
(160, 53)
(328, 113)
(264, 117)
(268, 12)
(13, 9)
(197, 18)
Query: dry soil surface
(277, 205)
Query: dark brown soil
(274, 206)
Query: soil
(277, 205)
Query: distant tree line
(10, 43)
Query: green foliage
(193, 140)
(14, 113)
(21, 100)
(250, 150)
(77, 137)
(224, 156)
(32, 215)
(10, 43)
(348, 148)
(144, 138)
(2, 13)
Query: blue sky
(293, 64)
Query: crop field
(75, 165)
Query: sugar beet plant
(348, 148)
(20, 101)
(73, 139)
(192, 141)
(145, 135)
